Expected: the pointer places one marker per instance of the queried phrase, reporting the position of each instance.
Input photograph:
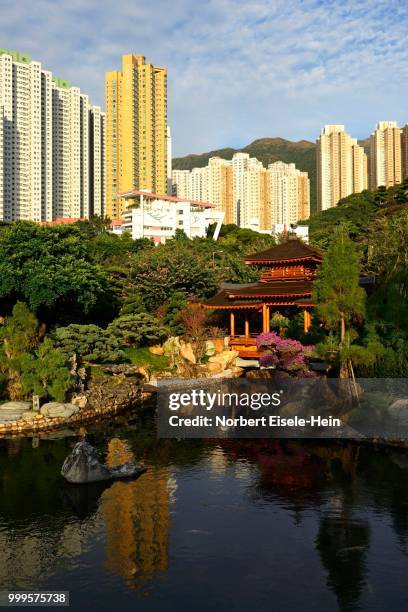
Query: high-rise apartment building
(404, 150)
(240, 162)
(385, 155)
(341, 166)
(219, 187)
(287, 197)
(246, 192)
(44, 149)
(181, 183)
(252, 197)
(168, 161)
(137, 138)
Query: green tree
(89, 342)
(339, 299)
(133, 305)
(50, 268)
(18, 337)
(137, 330)
(46, 373)
(172, 312)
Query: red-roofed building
(285, 286)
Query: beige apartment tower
(404, 151)
(341, 166)
(385, 155)
(137, 139)
(287, 196)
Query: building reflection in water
(136, 516)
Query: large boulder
(399, 411)
(82, 466)
(156, 350)
(187, 352)
(225, 359)
(58, 410)
(13, 411)
(80, 401)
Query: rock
(187, 352)
(156, 350)
(247, 363)
(225, 359)
(15, 406)
(143, 373)
(399, 411)
(29, 416)
(213, 368)
(237, 372)
(12, 411)
(223, 374)
(209, 348)
(58, 410)
(82, 466)
(80, 401)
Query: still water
(212, 525)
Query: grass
(142, 357)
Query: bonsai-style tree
(88, 343)
(137, 330)
(46, 373)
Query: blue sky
(238, 69)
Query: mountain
(267, 150)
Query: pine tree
(339, 299)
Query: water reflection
(136, 516)
(341, 501)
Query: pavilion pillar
(264, 317)
(268, 319)
(307, 321)
(232, 324)
(246, 327)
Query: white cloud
(238, 70)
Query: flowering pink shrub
(284, 354)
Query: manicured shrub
(140, 329)
(88, 342)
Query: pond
(212, 525)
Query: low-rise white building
(154, 216)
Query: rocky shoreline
(105, 397)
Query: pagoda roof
(291, 250)
(274, 288)
(252, 295)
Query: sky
(237, 69)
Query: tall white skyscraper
(46, 155)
